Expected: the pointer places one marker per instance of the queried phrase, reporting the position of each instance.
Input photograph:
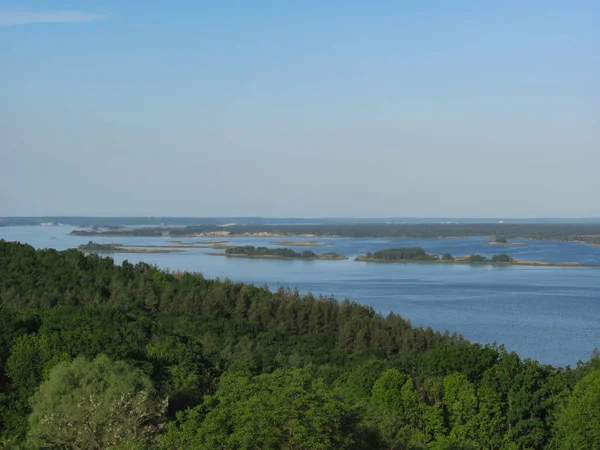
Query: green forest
(96, 355)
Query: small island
(94, 247)
(249, 251)
(418, 255)
(501, 240)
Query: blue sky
(304, 109)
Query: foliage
(408, 254)
(250, 250)
(230, 365)
(502, 258)
(95, 404)
(283, 409)
(477, 259)
(579, 423)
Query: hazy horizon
(236, 219)
(308, 110)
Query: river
(551, 314)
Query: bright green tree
(407, 421)
(579, 424)
(461, 404)
(283, 409)
(95, 404)
(387, 390)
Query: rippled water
(551, 314)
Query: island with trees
(418, 255)
(95, 354)
(249, 251)
(501, 240)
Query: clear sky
(300, 108)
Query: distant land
(91, 221)
(585, 233)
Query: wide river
(551, 314)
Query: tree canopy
(130, 356)
(95, 404)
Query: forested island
(418, 255)
(99, 355)
(249, 251)
(501, 240)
